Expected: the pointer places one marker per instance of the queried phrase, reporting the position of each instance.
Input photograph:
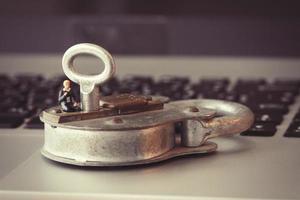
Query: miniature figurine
(66, 98)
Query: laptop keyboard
(25, 96)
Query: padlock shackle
(230, 118)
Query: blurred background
(156, 27)
(230, 39)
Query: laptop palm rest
(236, 170)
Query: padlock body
(109, 147)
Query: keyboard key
(10, 120)
(279, 88)
(172, 87)
(287, 82)
(214, 81)
(297, 117)
(131, 84)
(35, 123)
(274, 117)
(254, 82)
(110, 87)
(188, 92)
(285, 98)
(208, 86)
(174, 80)
(248, 85)
(293, 130)
(269, 107)
(277, 97)
(261, 129)
(229, 96)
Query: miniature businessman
(66, 98)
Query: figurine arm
(74, 97)
(61, 96)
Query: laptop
(261, 163)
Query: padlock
(128, 129)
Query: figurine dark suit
(66, 98)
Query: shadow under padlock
(127, 129)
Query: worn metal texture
(141, 120)
(55, 115)
(177, 151)
(110, 147)
(193, 133)
(117, 140)
(231, 118)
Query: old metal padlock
(127, 129)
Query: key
(171, 84)
(138, 84)
(10, 120)
(261, 129)
(285, 98)
(175, 88)
(297, 117)
(110, 87)
(211, 86)
(213, 81)
(174, 80)
(279, 88)
(288, 82)
(273, 117)
(229, 96)
(130, 84)
(248, 85)
(255, 82)
(293, 130)
(35, 123)
(268, 107)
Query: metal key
(89, 84)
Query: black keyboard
(24, 97)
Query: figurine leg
(69, 108)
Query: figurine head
(67, 84)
